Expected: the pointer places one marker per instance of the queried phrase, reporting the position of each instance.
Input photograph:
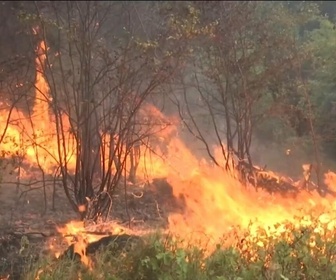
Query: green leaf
(333, 269)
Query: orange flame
(34, 138)
(215, 200)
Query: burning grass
(286, 252)
(222, 229)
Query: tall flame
(34, 138)
(41, 106)
(215, 201)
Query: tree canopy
(237, 74)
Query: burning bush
(287, 251)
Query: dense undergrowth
(285, 252)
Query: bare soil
(31, 212)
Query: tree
(321, 81)
(98, 78)
(250, 46)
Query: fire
(76, 233)
(34, 137)
(41, 107)
(215, 201)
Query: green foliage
(312, 67)
(285, 252)
(251, 47)
(248, 66)
(322, 85)
(24, 244)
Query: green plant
(284, 252)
